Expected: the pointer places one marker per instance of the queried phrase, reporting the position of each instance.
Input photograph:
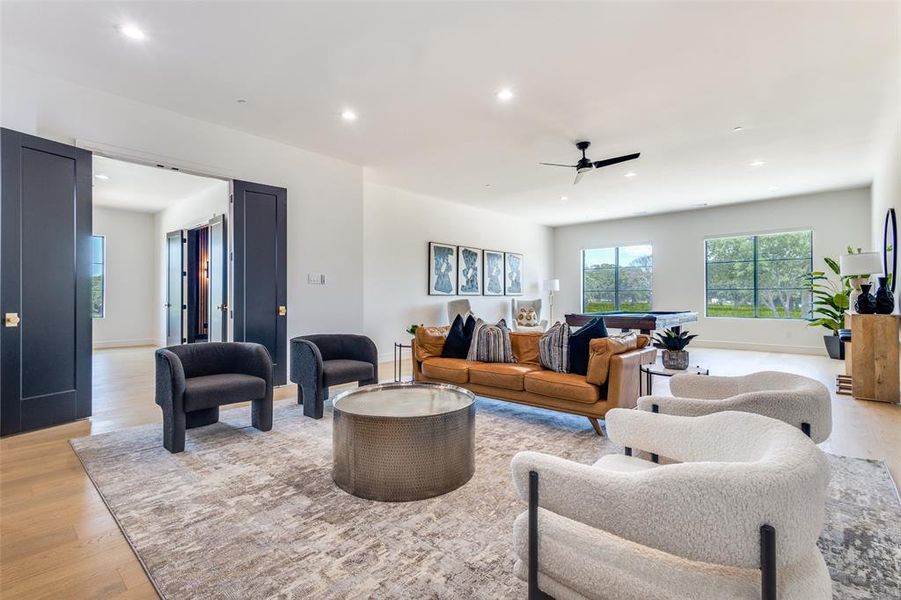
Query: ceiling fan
(584, 165)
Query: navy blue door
(261, 276)
(45, 282)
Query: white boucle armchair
(737, 517)
(797, 400)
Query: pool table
(645, 322)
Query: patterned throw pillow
(553, 348)
(527, 317)
(491, 343)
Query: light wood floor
(57, 539)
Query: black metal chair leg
(655, 408)
(767, 562)
(534, 592)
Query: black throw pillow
(578, 344)
(459, 338)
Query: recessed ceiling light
(505, 95)
(241, 101)
(738, 128)
(487, 185)
(563, 198)
(132, 32)
(103, 177)
(631, 174)
(756, 163)
(348, 115)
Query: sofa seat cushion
(338, 371)
(501, 375)
(209, 391)
(452, 370)
(567, 386)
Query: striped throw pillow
(553, 348)
(491, 343)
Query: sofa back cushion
(430, 341)
(601, 349)
(553, 348)
(578, 344)
(491, 343)
(525, 347)
(459, 337)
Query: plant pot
(834, 347)
(675, 359)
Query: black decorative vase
(885, 300)
(865, 303)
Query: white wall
(398, 225)
(325, 195)
(886, 189)
(130, 280)
(184, 214)
(838, 219)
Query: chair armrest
(623, 377)
(706, 387)
(170, 379)
(306, 363)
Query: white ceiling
(143, 188)
(814, 84)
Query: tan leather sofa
(612, 380)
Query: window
(98, 274)
(617, 278)
(759, 276)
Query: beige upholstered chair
(795, 399)
(737, 517)
(536, 304)
(458, 307)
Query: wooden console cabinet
(874, 357)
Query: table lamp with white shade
(859, 267)
(551, 286)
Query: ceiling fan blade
(612, 161)
(578, 176)
(557, 165)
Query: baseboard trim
(779, 348)
(125, 343)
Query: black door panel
(260, 254)
(45, 238)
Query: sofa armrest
(706, 387)
(306, 363)
(623, 379)
(170, 379)
(417, 364)
(254, 360)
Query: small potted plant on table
(675, 356)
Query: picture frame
(513, 279)
(469, 271)
(442, 269)
(492, 273)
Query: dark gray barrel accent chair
(194, 380)
(320, 361)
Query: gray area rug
(245, 514)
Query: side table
(647, 372)
(399, 361)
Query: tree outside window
(617, 278)
(759, 276)
(98, 274)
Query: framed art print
(493, 273)
(442, 269)
(512, 274)
(469, 271)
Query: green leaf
(833, 264)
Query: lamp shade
(552, 285)
(863, 263)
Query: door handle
(282, 311)
(12, 320)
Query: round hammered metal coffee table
(397, 442)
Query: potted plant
(830, 301)
(412, 328)
(674, 354)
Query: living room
(396, 149)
